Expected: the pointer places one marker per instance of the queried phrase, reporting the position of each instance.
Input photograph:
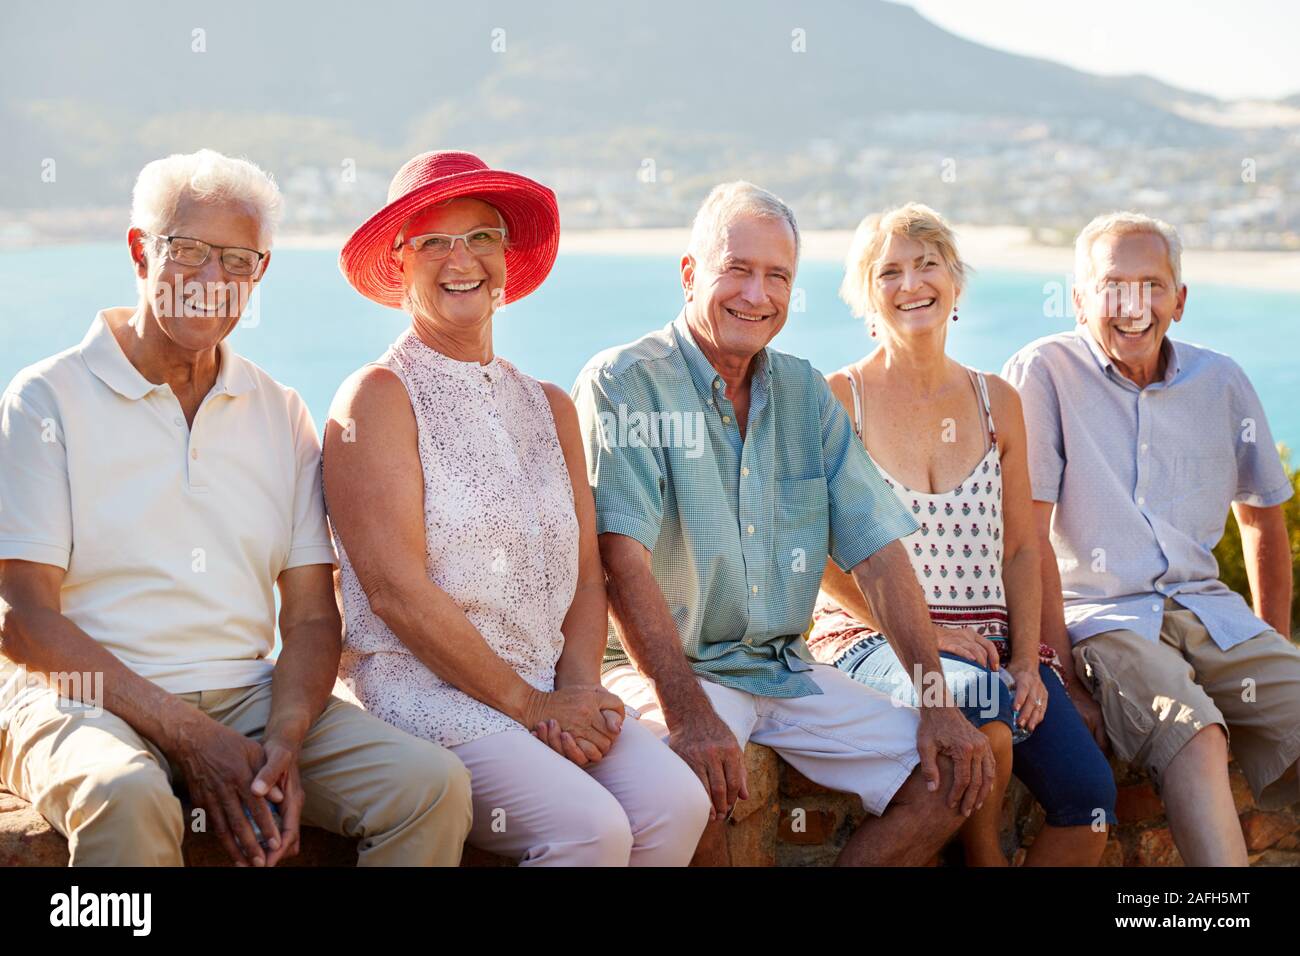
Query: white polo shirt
(172, 537)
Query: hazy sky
(1228, 48)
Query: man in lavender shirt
(1138, 445)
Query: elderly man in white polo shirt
(154, 488)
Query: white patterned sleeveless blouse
(501, 539)
(956, 553)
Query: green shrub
(1232, 563)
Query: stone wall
(811, 823)
(787, 821)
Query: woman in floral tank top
(923, 419)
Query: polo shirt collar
(1168, 347)
(104, 356)
(703, 374)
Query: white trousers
(639, 806)
(849, 737)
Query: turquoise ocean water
(313, 329)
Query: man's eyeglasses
(185, 251)
(438, 245)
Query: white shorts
(849, 737)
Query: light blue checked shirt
(1143, 480)
(738, 529)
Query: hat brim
(529, 209)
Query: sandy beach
(996, 248)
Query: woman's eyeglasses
(438, 245)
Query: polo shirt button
(744, 471)
(754, 589)
(726, 419)
(751, 529)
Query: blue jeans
(1060, 763)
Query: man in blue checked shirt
(725, 474)
(1138, 444)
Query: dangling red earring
(873, 330)
(954, 313)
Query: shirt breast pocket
(1204, 486)
(802, 524)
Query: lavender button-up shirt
(1143, 479)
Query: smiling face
(913, 291)
(462, 290)
(737, 303)
(198, 306)
(1130, 300)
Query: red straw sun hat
(529, 209)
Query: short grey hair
(206, 176)
(724, 204)
(1120, 223)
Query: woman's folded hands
(579, 721)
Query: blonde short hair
(913, 220)
(1118, 224)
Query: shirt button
(744, 471)
(754, 589)
(717, 384)
(194, 454)
(726, 419)
(1144, 446)
(751, 529)
(178, 420)
(1141, 500)
(1155, 607)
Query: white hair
(205, 176)
(1120, 223)
(726, 203)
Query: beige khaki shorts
(1155, 696)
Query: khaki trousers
(109, 791)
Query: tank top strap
(857, 401)
(988, 406)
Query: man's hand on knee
(219, 766)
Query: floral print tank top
(956, 553)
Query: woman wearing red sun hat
(471, 579)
